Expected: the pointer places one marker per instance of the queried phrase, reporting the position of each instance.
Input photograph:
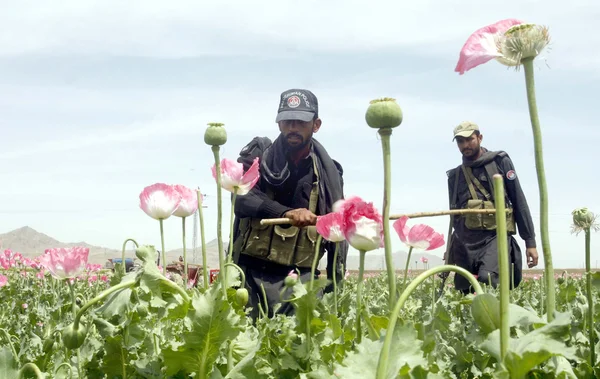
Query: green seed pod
(383, 113)
(146, 253)
(582, 218)
(142, 310)
(290, 281)
(241, 296)
(215, 134)
(48, 344)
(73, 339)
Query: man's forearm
(256, 204)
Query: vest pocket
(258, 240)
(283, 244)
(305, 248)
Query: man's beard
(298, 146)
(474, 153)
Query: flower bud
(241, 296)
(383, 113)
(146, 253)
(291, 279)
(582, 218)
(215, 134)
(73, 339)
(142, 310)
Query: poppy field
(151, 330)
(65, 318)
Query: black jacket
(512, 188)
(276, 174)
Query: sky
(99, 99)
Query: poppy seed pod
(215, 134)
(583, 218)
(383, 113)
(73, 339)
(241, 296)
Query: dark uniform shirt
(476, 250)
(516, 200)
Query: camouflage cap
(465, 129)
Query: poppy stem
(215, 150)
(335, 256)
(382, 365)
(359, 287)
(232, 219)
(123, 253)
(202, 240)
(162, 246)
(539, 165)
(185, 267)
(588, 285)
(502, 239)
(313, 267)
(406, 268)
(385, 134)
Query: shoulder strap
(491, 169)
(471, 179)
(314, 193)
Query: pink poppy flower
(67, 262)
(483, 46)
(419, 236)
(159, 201)
(5, 263)
(330, 226)
(424, 260)
(363, 225)
(339, 205)
(189, 201)
(233, 176)
(3, 280)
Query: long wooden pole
(280, 221)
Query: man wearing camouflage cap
(473, 245)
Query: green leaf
(533, 348)
(596, 280)
(118, 304)
(519, 316)
(486, 312)
(405, 355)
(244, 351)
(8, 365)
(213, 322)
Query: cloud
(192, 28)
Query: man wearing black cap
(473, 244)
(299, 181)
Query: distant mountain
(32, 243)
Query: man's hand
(301, 217)
(532, 257)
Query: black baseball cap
(297, 104)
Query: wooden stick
(281, 221)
